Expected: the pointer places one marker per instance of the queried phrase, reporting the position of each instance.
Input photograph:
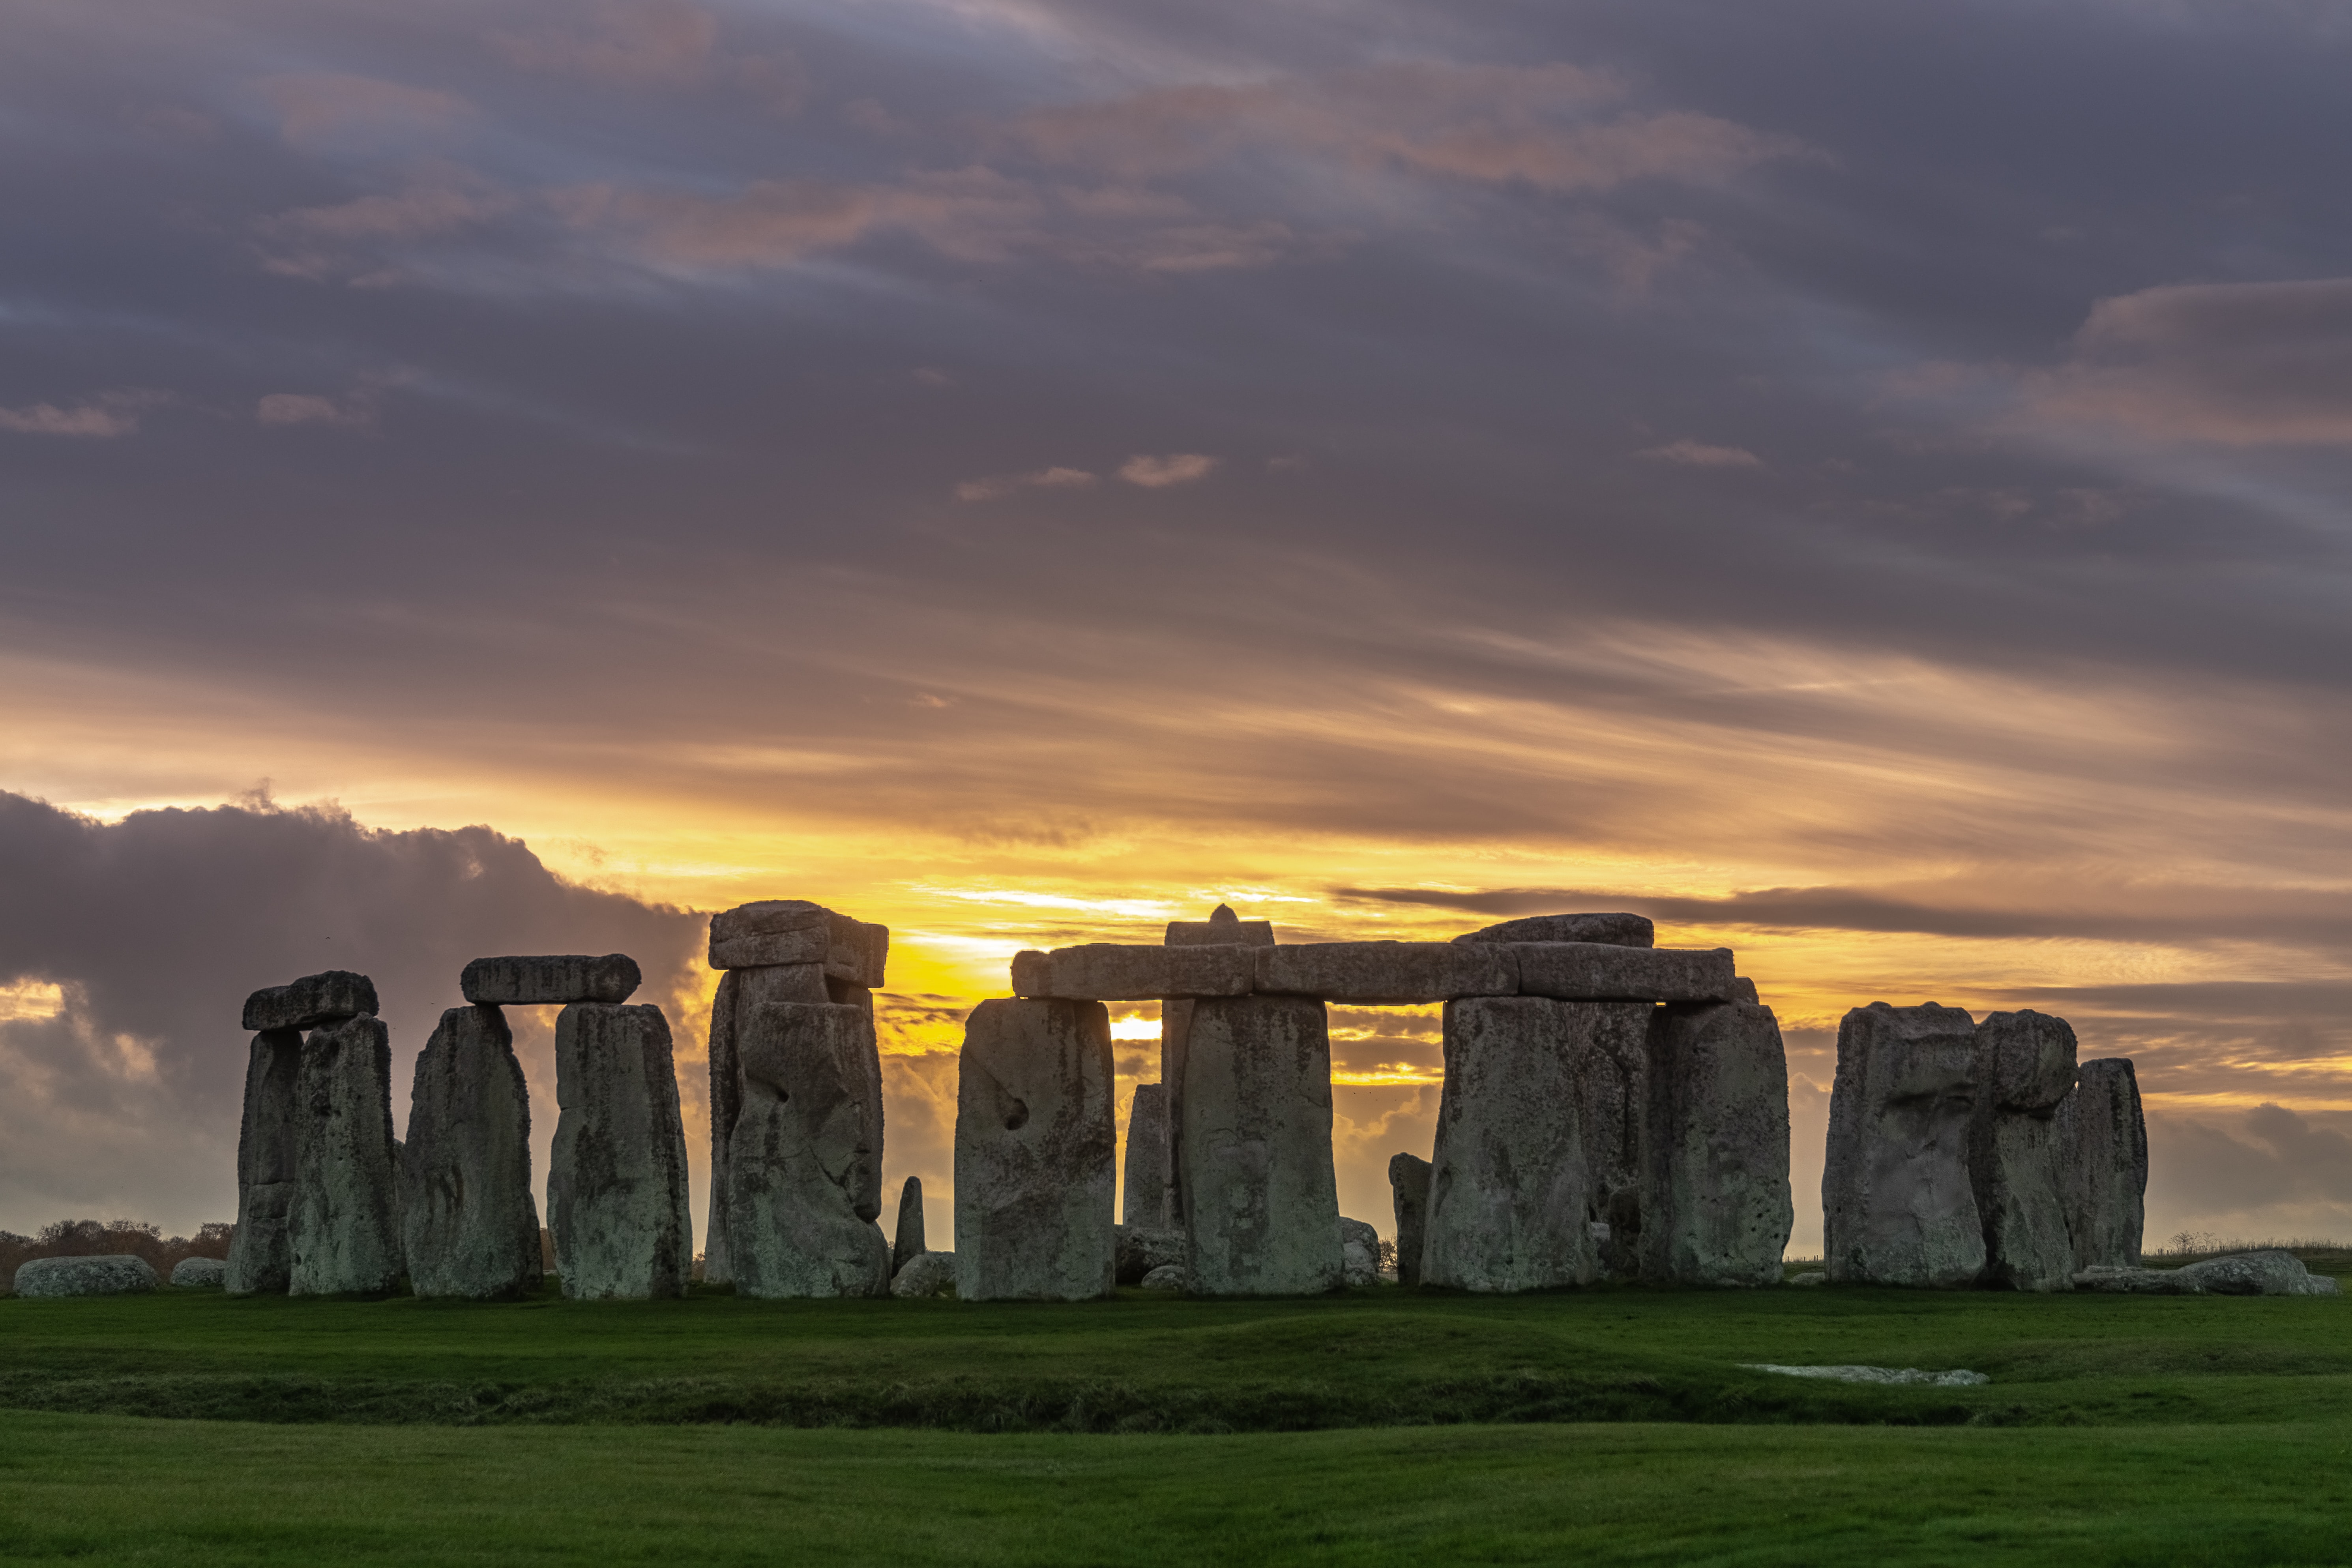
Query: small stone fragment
(1716, 1206)
(1408, 1191)
(616, 1201)
(1387, 972)
(2102, 1165)
(1261, 1206)
(1601, 972)
(2027, 1063)
(1144, 1197)
(315, 999)
(1509, 1191)
(261, 1252)
(793, 932)
(1116, 972)
(1166, 1276)
(115, 1274)
(1036, 1151)
(565, 978)
(1222, 929)
(1896, 1192)
(199, 1273)
(1142, 1248)
(924, 1275)
(804, 1162)
(907, 1241)
(470, 1229)
(343, 1226)
(1359, 1253)
(1617, 931)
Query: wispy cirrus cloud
(1174, 469)
(999, 486)
(102, 417)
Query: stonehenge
(907, 1240)
(1035, 1144)
(1145, 1178)
(2102, 1165)
(260, 1255)
(1409, 1191)
(1222, 929)
(572, 978)
(1897, 1203)
(469, 1228)
(344, 1224)
(617, 1199)
(1714, 1206)
(804, 1178)
(2027, 1062)
(1261, 1203)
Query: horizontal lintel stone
(793, 931)
(1604, 972)
(1617, 929)
(557, 978)
(1116, 972)
(1393, 973)
(313, 1000)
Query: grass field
(1613, 1424)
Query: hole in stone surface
(1017, 1118)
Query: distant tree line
(107, 1237)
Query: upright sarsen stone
(1509, 1189)
(2026, 1060)
(1896, 1197)
(906, 1242)
(470, 1226)
(1716, 1206)
(1261, 1206)
(805, 1165)
(260, 1255)
(1035, 1153)
(1409, 1195)
(2102, 1165)
(617, 1175)
(740, 990)
(1222, 929)
(1146, 1190)
(344, 1228)
(1610, 1042)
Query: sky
(1862, 484)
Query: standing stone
(1408, 1191)
(1222, 929)
(2102, 1165)
(261, 1254)
(805, 1165)
(1037, 1153)
(1716, 1206)
(1145, 1202)
(1611, 1044)
(2027, 1063)
(1509, 1189)
(740, 990)
(471, 1230)
(344, 1228)
(1360, 1252)
(907, 1241)
(1261, 1205)
(616, 1174)
(1896, 1197)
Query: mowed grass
(114, 1489)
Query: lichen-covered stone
(1409, 1193)
(2102, 1165)
(343, 1227)
(1168, 1276)
(1716, 1206)
(1035, 1151)
(1359, 1253)
(740, 989)
(1509, 1189)
(2263, 1273)
(1141, 1248)
(924, 1275)
(261, 1253)
(907, 1241)
(326, 997)
(114, 1274)
(1387, 972)
(470, 1229)
(804, 1182)
(1607, 972)
(789, 932)
(1617, 929)
(616, 1197)
(1261, 1206)
(1144, 1197)
(199, 1274)
(551, 978)
(1895, 1194)
(1611, 1045)
(2026, 1060)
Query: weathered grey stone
(1142, 1248)
(1261, 1206)
(1716, 1206)
(1035, 1151)
(1144, 1197)
(1811, 1276)
(1898, 1376)
(470, 1226)
(1359, 1253)
(907, 1241)
(2264, 1273)
(199, 1274)
(1618, 931)
(924, 1275)
(1168, 1276)
(558, 978)
(740, 989)
(1175, 1036)
(2102, 1165)
(1603, 972)
(2026, 1060)
(315, 999)
(1408, 1191)
(343, 1226)
(804, 1163)
(1115, 972)
(1895, 1194)
(1509, 1189)
(1610, 1046)
(1387, 972)
(780, 931)
(1744, 990)
(1222, 929)
(261, 1253)
(616, 1174)
(115, 1274)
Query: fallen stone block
(1035, 1151)
(616, 1196)
(2102, 1165)
(469, 1228)
(1168, 1276)
(1409, 1193)
(1359, 1253)
(315, 999)
(1144, 1196)
(1599, 972)
(924, 1275)
(343, 1226)
(1222, 929)
(804, 1163)
(115, 1274)
(560, 978)
(793, 932)
(1141, 1248)
(1510, 1193)
(1617, 931)
(1111, 972)
(2026, 1060)
(740, 989)
(261, 1252)
(1896, 1197)
(1261, 1205)
(1893, 1376)
(2263, 1273)
(199, 1274)
(1716, 1206)
(907, 1241)
(1393, 974)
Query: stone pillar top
(774, 931)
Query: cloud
(1697, 454)
(2264, 1173)
(1158, 473)
(318, 109)
(309, 408)
(652, 43)
(108, 414)
(1009, 484)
